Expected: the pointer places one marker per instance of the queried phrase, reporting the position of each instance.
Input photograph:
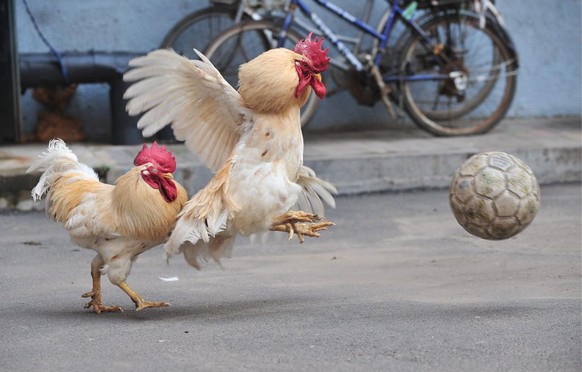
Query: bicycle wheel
(197, 29)
(481, 74)
(243, 42)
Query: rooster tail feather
(56, 149)
(57, 160)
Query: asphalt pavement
(397, 285)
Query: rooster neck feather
(267, 83)
(144, 215)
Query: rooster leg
(139, 302)
(300, 223)
(95, 294)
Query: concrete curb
(371, 161)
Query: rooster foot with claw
(97, 304)
(139, 302)
(301, 223)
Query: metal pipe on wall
(42, 69)
(10, 115)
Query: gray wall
(547, 35)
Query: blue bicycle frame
(383, 37)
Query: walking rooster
(118, 221)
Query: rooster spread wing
(203, 108)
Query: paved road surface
(396, 285)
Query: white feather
(193, 97)
(192, 231)
(56, 160)
(215, 249)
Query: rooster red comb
(156, 155)
(312, 50)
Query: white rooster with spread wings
(251, 139)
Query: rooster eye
(303, 64)
(154, 170)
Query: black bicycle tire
(180, 28)
(308, 110)
(425, 122)
(185, 23)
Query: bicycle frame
(383, 37)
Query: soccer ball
(494, 195)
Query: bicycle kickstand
(384, 91)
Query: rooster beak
(317, 76)
(169, 176)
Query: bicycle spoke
(246, 55)
(436, 99)
(195, 30)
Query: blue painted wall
(548, 36)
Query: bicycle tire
(490, 82)
(258, 37)
(197, 29)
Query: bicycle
(196, 29)
(443, 55)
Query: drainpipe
(10, 102)
(41, 69)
